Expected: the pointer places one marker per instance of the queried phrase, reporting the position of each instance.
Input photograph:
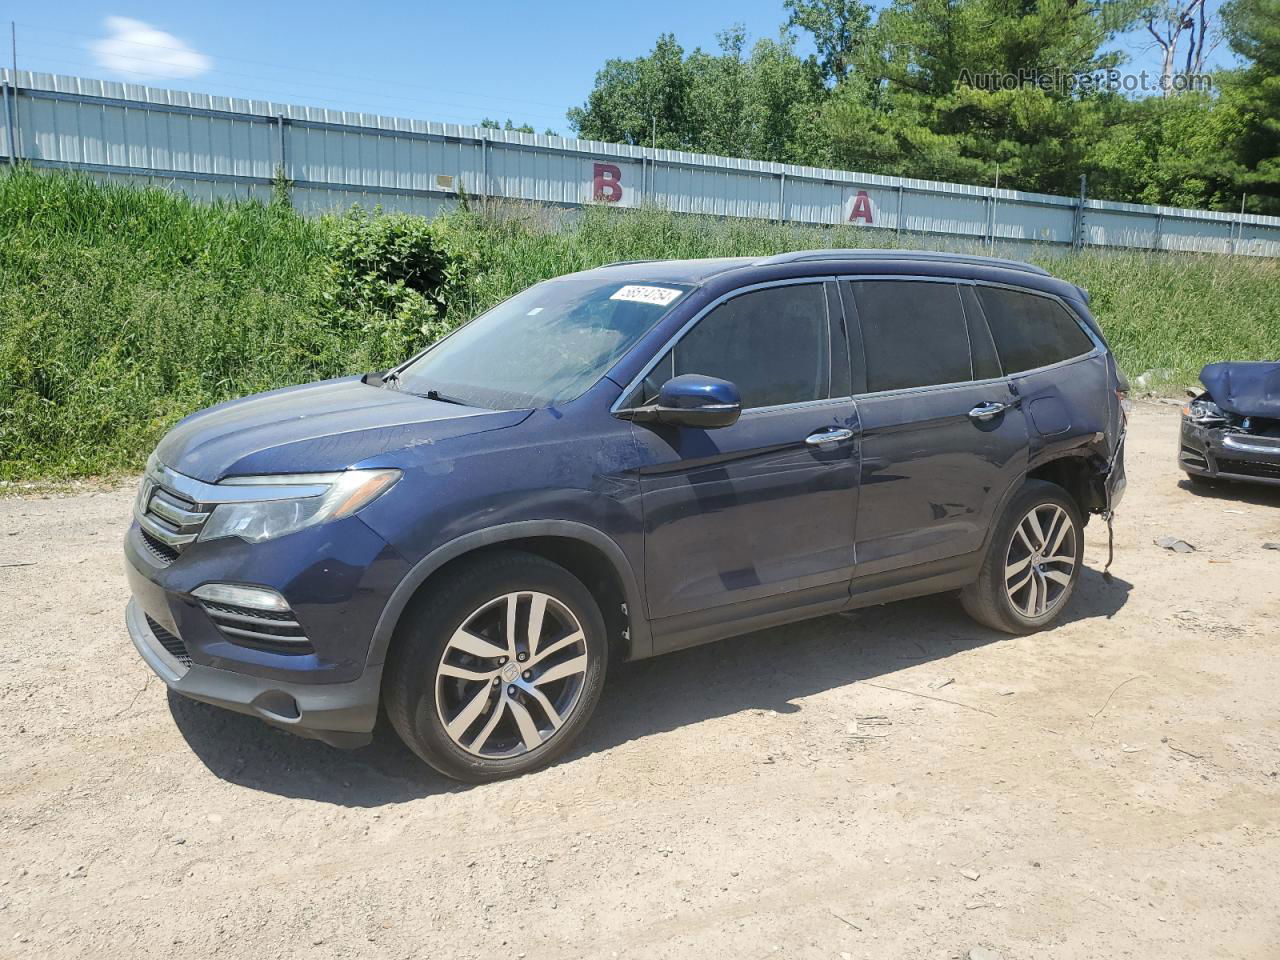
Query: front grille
(160, 551)
(1249, 468)
(169, 521)
(172, 644)
(272, 631)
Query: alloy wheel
(511, 675)
(1041, 560)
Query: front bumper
(1228, 454)
(340, 714)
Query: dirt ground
(1106, 789)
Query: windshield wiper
(444, 398)
(392, 380)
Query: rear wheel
(1032, 563)
(499, 668)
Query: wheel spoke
(537, 611)
(487, 730)
(476, 646)
(1033, 525)
(513, 601)
(462, 673)
(1021, 583)
(1057, 576)
(528, 729)
(1064, 525)
(561, 670)
(575, 637)
(467, 716)
(1022, 534)
(1032, 596)
(546, 705)
(1013, 569)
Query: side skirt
(718, 623)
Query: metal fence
(212, 146)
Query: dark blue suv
(616, 464)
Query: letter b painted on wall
(606, 183)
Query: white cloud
(140, 50)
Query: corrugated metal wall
(213, 146)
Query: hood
(1245, 389)
(316, 428)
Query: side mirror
(692, 400)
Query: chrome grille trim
(178, 512)
(166, 513)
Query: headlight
(1203, 410)
(337, 495)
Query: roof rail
(924, 255)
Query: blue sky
(455, 62)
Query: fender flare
(641, 642)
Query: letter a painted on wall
(861, 209)
(607, 183)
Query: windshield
(544, 346)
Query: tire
(1038, 601)
(477, 707)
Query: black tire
(422, 648)
(988, 599)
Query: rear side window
(1031, 331)
(774, 344)
(913, 333)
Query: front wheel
(499, 668)
(1032, 563)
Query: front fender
(641, 641)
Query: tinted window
(913, 333)
(986, 365)
(1031, 331)
(773, 344)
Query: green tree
(924, 99)
(1253, 29)
(839, 29)
(645, 101)
(758, 106)
(518, 128)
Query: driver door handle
(991, 408)
(824, 437)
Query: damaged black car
(1231, 431)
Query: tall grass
(123, 309)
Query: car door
(942, 435)
(764, 508)
(1057, 368)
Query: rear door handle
(824, 437)
(991, 408)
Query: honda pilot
(620, 463)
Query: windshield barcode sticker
(659, 296)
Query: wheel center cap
(510, 672)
